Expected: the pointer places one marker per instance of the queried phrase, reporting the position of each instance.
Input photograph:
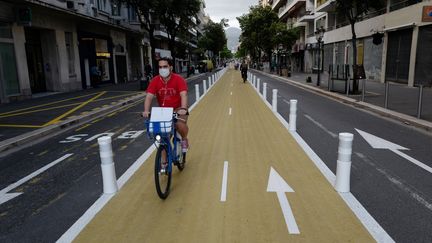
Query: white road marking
(4, 196)
(224, 182)
(379, 143)
(277, 184)
(230, 111)
(231, 93)
(321, 126)
(395, 180)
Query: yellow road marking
(82, 127)
(31, 109)
(22, 126)
(55, 120)
(55, 102)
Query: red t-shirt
(168, 95)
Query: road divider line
(230, 111)
(224, 182)
(5, 196)
(321, 126)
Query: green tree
(177, 17)
(226, 53)
(214, 38)
(353, 11)
(262, 31)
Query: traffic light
(24, 16)
(377, 38)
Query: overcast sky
(229, 9)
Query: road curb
(28, 138)
(406, 119)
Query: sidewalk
(402, 100)
(26, 121)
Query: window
(70, 52)
(115, 8)
(132, 14)
(5, 31)
(101, 5)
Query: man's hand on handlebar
(145, 114)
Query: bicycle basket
(162, 128)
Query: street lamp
(319, 34)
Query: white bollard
(274, 102)
(196, 92)
(254, 80)
(258, 85)
(204, 87)
(209, 84)
(343, 169)
(264, 91)
(108, 170)
(293, 115)
(210, 81)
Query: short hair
(167, 59)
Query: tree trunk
(354, 46)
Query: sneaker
(185, 145)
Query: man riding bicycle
(170, 90)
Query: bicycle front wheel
(161, 173)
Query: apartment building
(53, 45)
(404, 55)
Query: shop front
(96, 59)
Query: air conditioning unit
(71, 5)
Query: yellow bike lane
(273, 192)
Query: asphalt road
(396, 192)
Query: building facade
(403, 55)
(58, 45)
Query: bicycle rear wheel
(161, 173)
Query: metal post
(343, 169)
(258, 85)
(363, 90)
(107, 164)
(210, 81)
(197, 97)
(204, 87)
(274, 101)
(293, 115)
(319, 63)
(265, 91)
(209, 84)
(420, 98)
(386, 94)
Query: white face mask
(164, 72)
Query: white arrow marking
(4, 196)
(379, 143)
(277, 184)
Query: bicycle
(169, 151)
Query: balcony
(278, 4)
(290, 7)
(325, 6)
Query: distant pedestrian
(95, 78)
